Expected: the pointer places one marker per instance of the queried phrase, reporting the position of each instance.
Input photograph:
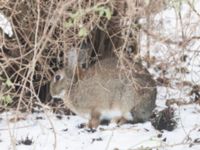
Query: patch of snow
(49, 132)
(5, 25)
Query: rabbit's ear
(79, 57)
(71, 64)
(71, 59)
(84, 55)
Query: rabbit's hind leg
(122, 121)
(125, 118)
(119, 120)
(94, 120)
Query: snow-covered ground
(49, 131)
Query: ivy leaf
(108, 13)
(83, 32)
(1, 78)
(103, 11)
(6, 99)
(8, 83)
(75, 15)
(69, 23)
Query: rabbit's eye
(57, 77)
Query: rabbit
(107, 91)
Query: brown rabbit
(107, 91)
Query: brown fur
(106, 86)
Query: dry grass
(45, 30)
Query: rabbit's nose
(57, 77)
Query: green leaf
(8, 83)
(1, 78)
(103, 11)
(75, 15)
(6, 99)
(69, 23)
(108, 13)
(83, 32)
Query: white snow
(48, 132)
(5, 25)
